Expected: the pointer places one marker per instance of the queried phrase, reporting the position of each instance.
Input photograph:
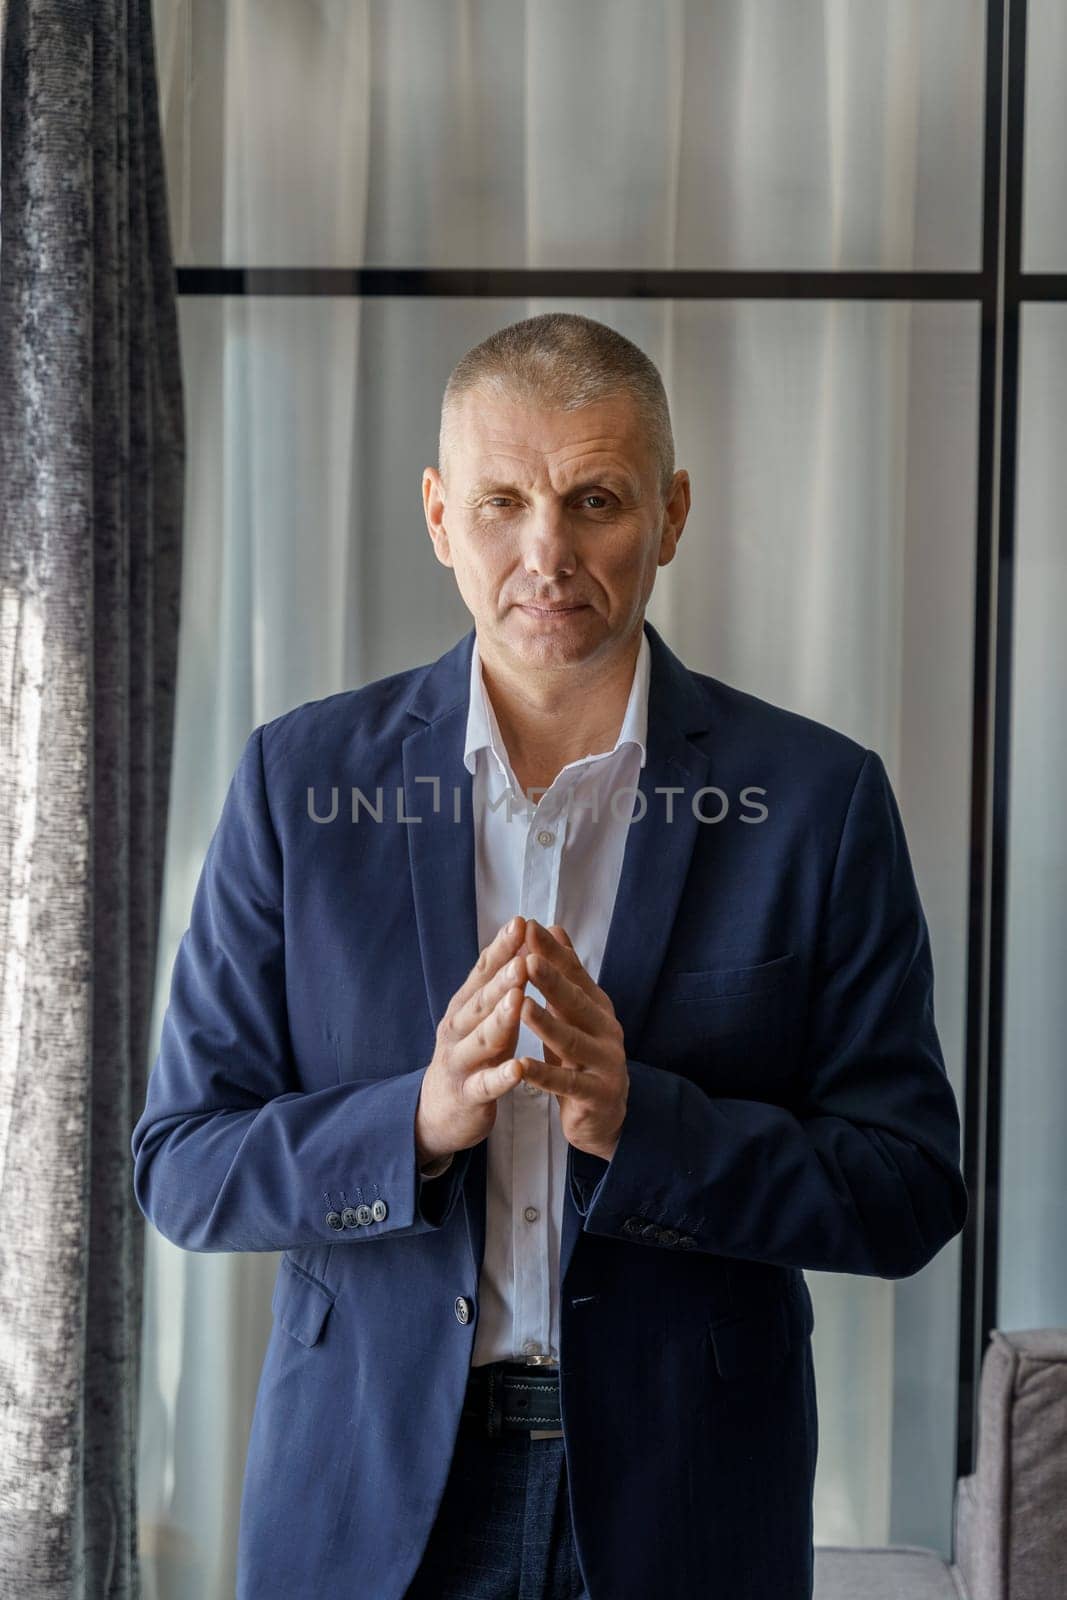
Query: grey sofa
(1010, 1516)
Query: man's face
(557, 507)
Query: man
(541, 1325)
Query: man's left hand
(585, 1054)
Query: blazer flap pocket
(721, 982)
(753, 1340)
(301, 1303)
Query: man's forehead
(515, 439)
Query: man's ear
(433, 505)
(675, 512)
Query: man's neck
(553, 718)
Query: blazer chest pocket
(723, 1000)
(726, 983)
(300, 1303)
(736, 1030)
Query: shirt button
(531, 1213)
(545, 836)
(531, 1347)
(532, 1088)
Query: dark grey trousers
(503, 1530)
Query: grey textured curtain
(92, 452)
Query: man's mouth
(551, 611)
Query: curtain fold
(92, 454)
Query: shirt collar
(483, 730)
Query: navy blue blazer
(788, 1108)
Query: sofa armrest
(965, 1532)
(1010, 1522)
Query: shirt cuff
(434, 1169)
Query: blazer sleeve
(229, 1152)
(863, 1175)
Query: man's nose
(549, 544)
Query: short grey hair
(561, 361)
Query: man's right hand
(473, 1062)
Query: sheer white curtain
(827, 563)
(1032, 1290)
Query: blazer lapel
(655, 863)
(441, 857)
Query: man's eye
(498, 500)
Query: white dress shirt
(559, 862)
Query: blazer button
(632, 1225)
(686, 1242)
(668, 1236)
(349, 1218)
(463, 1308)
(379, 1210)
(333, 1219)
(650, 1231)
(364, 1215)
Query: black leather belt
(512, 1397)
